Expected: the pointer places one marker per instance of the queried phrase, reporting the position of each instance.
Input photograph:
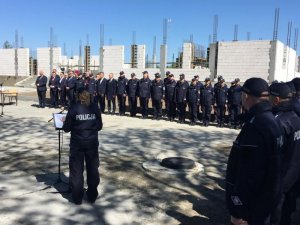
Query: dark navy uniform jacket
(42, 82)
(63, 83)
(111, 89)
(296, 105)
(132, 87)
(291, 151)
(71, 82)
(253, 169)
(199, 85)
(193, 94)
(84, 122)
(91, 86)
(101, 86)
(221, 95)
(180, 91)
(157, 90)
(79, 84)
(206, 95)
(54, 81)
(170, 90)
(121, 87)
(235, 95)
(144, 88)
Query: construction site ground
(30, 194)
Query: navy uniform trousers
(77, 157)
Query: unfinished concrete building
(270, 60)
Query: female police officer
(84, 121)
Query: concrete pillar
(163, 60)
(187, 56)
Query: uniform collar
(257, 109)
(282, 107)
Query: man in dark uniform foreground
(281, 99)
(84, 121)
(253, 169)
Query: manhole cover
(178, 163)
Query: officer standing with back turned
(84, 121)
(253, 168)
(281, 99)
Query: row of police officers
(177, 95)
(263, 169)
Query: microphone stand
(2, 100)
(60, 143)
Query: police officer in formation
(169, 97)
(83, 121)
(281, 98)
(180, 97)
(101, 84)
(80, 83)
(41, 86)
(70, 88)
(220, 93)
(111, 93)
(132, 91)
(296, 97)
(62, 89)
(121, 93)
(234, 103)
(193, 99)
(253, 169)
(144, 87)
(199, 86)
(90, 85)
(157, 94)
(206, 100)
(53, 85)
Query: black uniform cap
(237, 80)
(145, 72)
(157, 75)
(281, 90)
(292, 87)
(121, 72)
(296, 82)
(168, 73)
(256, 86)
(220, 77)
(182, 75)
(196, 76)
(133, 75)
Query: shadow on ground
(128, 194)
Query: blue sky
(72, 20)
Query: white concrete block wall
(141, 56)
(243, 59)
(113, 59)
(187, 56)
(43, 59)
(7, 62)
(23, 62)
(284, 62)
